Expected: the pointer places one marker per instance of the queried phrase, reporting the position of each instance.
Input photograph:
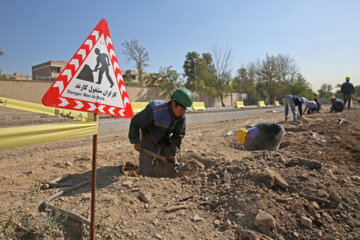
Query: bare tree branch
(222, 62)
(138, 54)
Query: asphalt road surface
(118, 124)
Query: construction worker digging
(291, 101)
(311, 107)
(336, 105)
(263, 136)
(162, 125)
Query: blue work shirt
(159, 122)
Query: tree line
(209, 75)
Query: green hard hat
(183, 96)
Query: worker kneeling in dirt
(311, 106)
(336, 105)
(318, 105)
(163, 125)
(263, 136)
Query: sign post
(93, 186)
(92, 82)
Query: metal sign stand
(93, 185)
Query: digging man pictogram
(103, 59)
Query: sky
(322, 36)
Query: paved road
(109, 124)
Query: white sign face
(92, 80)
(95, 80)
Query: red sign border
(53, 96)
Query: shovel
(157, 170)
(162, 158)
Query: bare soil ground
(310, 187)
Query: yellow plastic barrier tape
(198, 106)
(138, 106)
(261, 104)
(19, 136)
(239, 104)
(39, 108)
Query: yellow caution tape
(19, 136)
(39, 108)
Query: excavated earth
(309, 189)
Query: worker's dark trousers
(312, 110)
(347, 98)
(277, 140)
(152, 167)
(272, 144)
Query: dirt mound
(309, 189)
(130, 169)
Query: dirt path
(219, 200)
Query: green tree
(269, 74)
(243, 82)
(167, 79)
(301, 88)
(138, 54)
(357, 90)
(325, 91)
(189, 67)
(338, 93)
(272, 78)
(199, 73)
(282, 88)
(276, 73)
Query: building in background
(16, 76)
(132, 76)
(51, 70)
(48, 70)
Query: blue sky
(322, 36)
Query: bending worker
(263, 136)
(162, 125)
(336, 105)
(347, 89)
(311, 106)
(292, 101)
(318, 105)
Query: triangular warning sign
(92, 80)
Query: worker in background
(318, 105)
(336, 105)
(304, 101)
(162, 125)
(263, 136)
(347, 89)
(291, 102)
(311, 107)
